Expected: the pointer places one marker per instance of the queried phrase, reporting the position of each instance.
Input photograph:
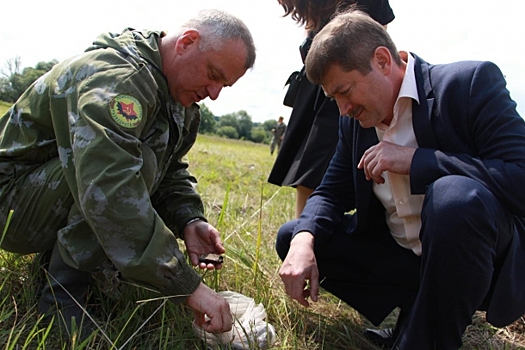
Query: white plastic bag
(249, 330)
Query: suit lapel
(363, 139)
(422, 112)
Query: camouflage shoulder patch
(126, 111)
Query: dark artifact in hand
(211, 258)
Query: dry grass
(247, 211)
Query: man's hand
(204, 301)
(386, 156)
(299, 267)
(202, 238)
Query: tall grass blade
(7, 222)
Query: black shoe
(388, 336)
(381, 337)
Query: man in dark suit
(423, 204)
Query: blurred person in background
(277, 135)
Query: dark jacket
(466, 124)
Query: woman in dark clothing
(312, 132)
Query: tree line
(238, 125)
(14, 80)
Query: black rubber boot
(64, 298)
(38, 271)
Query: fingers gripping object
(249, 331)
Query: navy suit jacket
(465, 124)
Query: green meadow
(247, 211)
(4, 106)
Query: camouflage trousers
(41, 202)
(44, 211)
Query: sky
(438, 31)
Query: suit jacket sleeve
(479, 134)
(335, 195)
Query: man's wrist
(191, 221)
(303, 237)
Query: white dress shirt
(403, 210)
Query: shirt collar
(409, 86)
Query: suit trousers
(465, 235)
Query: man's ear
(187, 39)
(383, 59)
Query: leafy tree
(260, 135)
(228, 120)
(15, 81)
(4, 89)
(245, 125)
(241, 121)
(208, 123)
(9, 80)
(228, 131)
(270, 124)
(45, 66)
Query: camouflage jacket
(105, 113)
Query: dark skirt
(312, 133)
(310, 139)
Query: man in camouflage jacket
(91, 162)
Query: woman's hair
(217, 27)
(314, 14)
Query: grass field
(247, 211)
(4, 106)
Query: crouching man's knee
(458, 208)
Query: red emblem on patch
(127, 110)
